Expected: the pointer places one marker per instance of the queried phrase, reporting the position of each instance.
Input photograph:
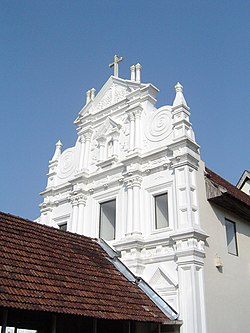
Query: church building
(135, 179)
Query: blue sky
(52, 52)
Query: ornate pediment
(114, 95)
(108, 127)
(162, 279)
(113, 91)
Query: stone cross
(115, 64)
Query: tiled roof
(46, 269)
(228, 195)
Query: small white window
(161, 211)
(63, 226)
(231, 237)
(107, 220)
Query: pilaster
(102, 142)
(190, 253)
(131, 118)
(46, 212)
(116, 144)
(133, 186)
(134, 115)
(82, 151)
(81, 209)
(87, 136)
(137, 113)
(78, 203)
(74, 214)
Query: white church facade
(135, 179)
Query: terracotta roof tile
(46, 269)
(231, 189)
(227, 195)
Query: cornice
(53, 190)
(184, 141)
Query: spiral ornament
(159, 125)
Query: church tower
(131, 179)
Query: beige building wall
(227, 289)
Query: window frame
(158, 188)
(155, 196)
(100, 218)
(236, 252)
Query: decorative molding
(66, 166)
(159, 125)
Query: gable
(114, 91)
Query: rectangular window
(161, 211)
(107, 220)
(231, 237)
(63, 226)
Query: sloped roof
(223, 193)
(46, 269)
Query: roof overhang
(219, 195)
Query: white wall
(227, 291)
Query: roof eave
(235, 206)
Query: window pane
(161, 211)
(231, 237)
(107, 220)
(63, 226)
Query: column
(80, 223)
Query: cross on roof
(115, 64)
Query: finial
(92, 93)
(179, 97)
(115, 64)
(88, 98)
(57, 152)
(178, 87)
(132, 69)
(59, 144)
(138, 72)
